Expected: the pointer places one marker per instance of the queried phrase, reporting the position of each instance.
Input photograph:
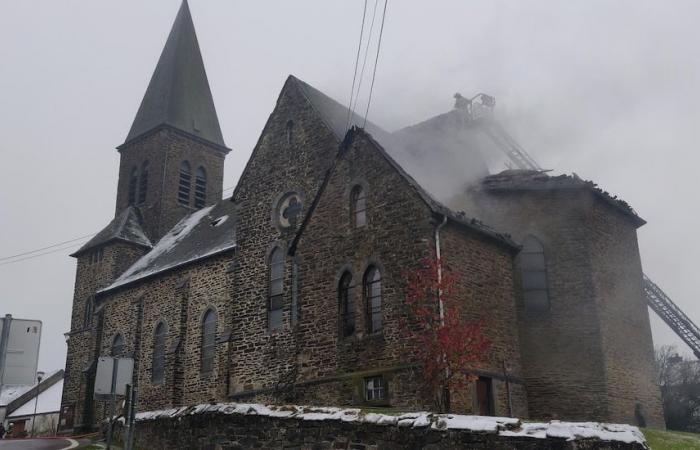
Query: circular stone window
(289, 210)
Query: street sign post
(111, 380)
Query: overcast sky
(606, 89)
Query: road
(38, 444)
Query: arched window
(89, 310)
(347, 305)
(133, 184)
(358, 206)
(373, 299)
(143, 182)
(276, 300)
(200, 188)
(158, 363)
(290, 131)
(183, 192)
(208, 340)
(534, 275)
(117, 349)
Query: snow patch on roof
(504, 426)
(49, 401)
(11, 392)
(143, 266)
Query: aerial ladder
(478, 112)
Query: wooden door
(484, 396)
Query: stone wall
(235, 426)
(578, 362)
(83, 342)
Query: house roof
(204, 233)
(14, 396)
(125, 227)
(49, 401)
(178, 94)
(531, 180)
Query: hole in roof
(218, 221)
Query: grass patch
(671, 440)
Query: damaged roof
(125, 227)
(533, 180)
(335, 115)
(204, 233)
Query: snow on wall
(504, 426)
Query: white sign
(112, 373)
(21, 350)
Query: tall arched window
(117, 349)
(208, 340)
(347, 305)
(143, 182)
(89, 310)
(373, 299)
(158, 363)
(185, 185)
(358, 206)
(200, 188)
(534, 275)
(133, 184)
(276, 300)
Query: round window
(289, 210)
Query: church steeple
(178, 95)
(172, 162)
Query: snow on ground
(504, 426)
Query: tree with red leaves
(446, 345)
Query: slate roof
(204, 233)
(126, 227)
(178, 94)
(532, 180)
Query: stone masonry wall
(219, 427)
(561, 349)
(485, 289)
(83, 332)
(633, 393)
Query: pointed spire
(178, 94)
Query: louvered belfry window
(347, 305)
(158, 365)
(200, 188)
(185, 184)
(208, 341)
(373, 299)
(143, 182)
(276, 300)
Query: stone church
(292, 290)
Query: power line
(376, 60)
(364, 62)
(41, 254)
(13, 258)
(45, 248)
(357, 60)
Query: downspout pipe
(438, 255)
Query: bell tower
(172, 161)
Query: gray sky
(604, 89)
